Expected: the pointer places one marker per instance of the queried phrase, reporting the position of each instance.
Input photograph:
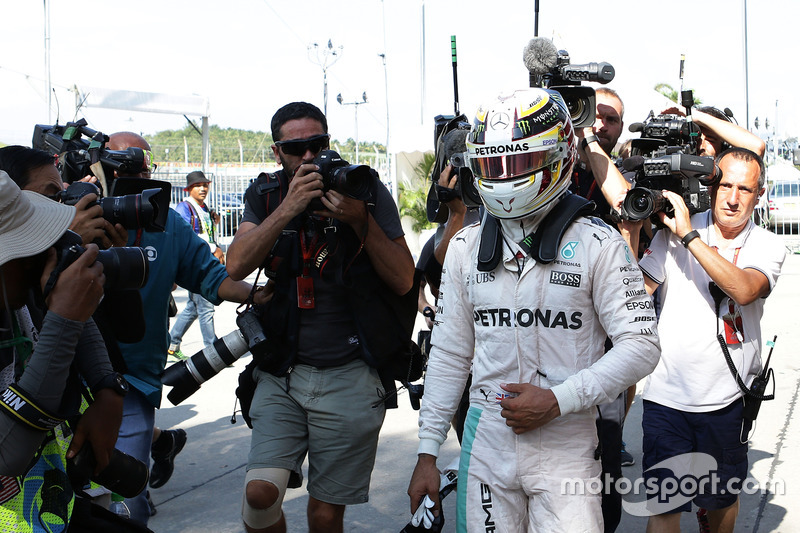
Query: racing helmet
(521, 149)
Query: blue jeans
(196, 307)
(135, 438)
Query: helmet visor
(513, 165)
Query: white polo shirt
(692, 374)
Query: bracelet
(586, 140)
(689, 237)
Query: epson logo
(632, 306)
(570, 279)
(501, 149)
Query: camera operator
(177, 255)
(692, 402)
(597, 178)
(41, 385)
(35, 170)
(530, 321)
(717, 132)
(319, 326)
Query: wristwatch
(114, 381)
(586, 140)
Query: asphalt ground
(205, 492)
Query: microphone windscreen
(455, 142)
(634, 162)
(540, 56)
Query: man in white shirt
(692, 388)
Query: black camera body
(566, 79)
(665, 158)
(125, 268)
(147, 210)
(79, 148)
(449, 137)
(354, 181)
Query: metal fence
(229, 182)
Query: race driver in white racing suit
(536, 323)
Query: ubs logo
(500, 121)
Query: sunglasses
(298, 147)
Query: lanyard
(305, 283)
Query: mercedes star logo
(499, 121)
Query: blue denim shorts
(674, 471)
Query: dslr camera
(147, 210)
(665, 158)
(354, 181)
(187, 376)
(125, 268)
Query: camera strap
(17, 404)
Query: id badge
(305, 292)
(733, 325)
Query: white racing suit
(546, 326)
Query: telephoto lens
(125, 474)
(186, 376)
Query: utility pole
(324, 57)
(356, 104)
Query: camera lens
(640, 203)
(351, 180)
(124, 268)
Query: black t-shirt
(328, 334)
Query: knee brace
(262, 518)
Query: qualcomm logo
(568, 250)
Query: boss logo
(570, 279)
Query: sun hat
(29, 222)
(195, 177)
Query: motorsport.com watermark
(693, 474)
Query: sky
(250, 57)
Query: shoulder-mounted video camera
(550, 68)
(665, 158)
(135, 202)
(82, 152)
(449, 137)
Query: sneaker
(176, 354)
(626, 459)
(164, 461)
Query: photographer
(43, 360)
(35, 170)
(527, 300)
(597, 178)
(692, 402)
(323, 256)
(179, 256)
(717, 132)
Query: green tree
(667, 90)
(413, 194)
